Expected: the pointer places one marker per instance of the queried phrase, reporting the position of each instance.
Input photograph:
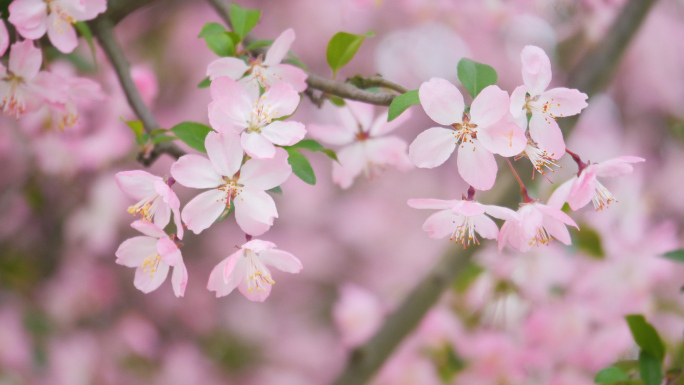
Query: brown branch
(375, 81)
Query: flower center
(150, 264)
(540, 159)
(541, 237)
(465, 131)
(231, 188)
(63, 16)
(146, 207)
(260, 115)
(13, 103)
(465, 233)
(602, 197)
(257, 274)
(546, 108)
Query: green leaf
(205, 83)
(475, 76)
(276, 190)
(211, 29)
(301, 166)
(159, 131)
(192, 134)
(243, 19)
(331, 154)
(589, 241)
(646, 336)
(467, 277)
(676, 255)
(162, 138)
(87, 34)
(339, 102)
(226, 212)
(341, 49)
(259, 44)
(650, 368)
(401, 103)
(610, 375)
(308, 144)
(217, 39)
(135, 125)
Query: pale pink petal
(169, 252)
(203, 210)
(162, 216)
(432, 147)
(179, 225)
(250, 84)
(254, 295)
(250, 225)
(348, 120)
(231, 106)
(490, 105)
(331, 134)
(294, 76)
(229, 268)
(513, 233)
(388, 151)
(560, 102)
(557, 230)
(225, 152)
(148, 282)
(258, 245)
(485, 226)
(25, 59)
(62, 35)
(500, 212)
(256, 146)
(442, 101)
(618, 166)
(584, 188)
(92, 8)
(231, 67)
(138, 184)
(536, 69)
(265, 174)
(179, 279)
(279, 48)
(547, 134)
(254, 211)
(476, 165)
(221, 284)
(170, 197)
(352, 160)
(362, 112)
(29, 17)
(468, 209)
(148, 228)
(281, 100)
(196, 171)
(382, 127)
(442, 224)
(504, 138)
(560, 195)
(225, 117)
(133, 251)
(48, 87)
(4, 38)
(518, 101)
(281, 260)
(284, 133)
(438, 204)
(556, 214)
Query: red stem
(523, 190)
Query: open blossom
(246, 269)
(230, 184)
(585, 187)
(478, 135)
(535, 224)
(461, 219)
(234, 112)
(262, 73)
(367, 149)
(152, 255)
(33, 18)
(544, 105)
(23, 87)
(156, 199)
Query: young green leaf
(243, 19)
(676, 255)
(276, 190)
(192, 134)
(301, 166)
(217, 39)
(211, 29)
(646, 336)
(206, 82)
(341, 49)
(401, 103)
(226, 212)
(331, 154)
(308, 144)
(610, 375)
(259, 44)
(475, 76)
(650, 368)
(135, 125)
(87, 34)
(162, 138)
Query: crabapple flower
(156, 199)
(478, 135)
(461, 219)
(233, 110)
(33, 18)
(152, 255)
(23, 87)
(246, 269)
(544, 105)
(585, 187)
(367, 149)
(230, 184)
(262, 73)
(535, 224)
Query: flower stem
(580, 164)
(523, 189)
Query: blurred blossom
(358, 313)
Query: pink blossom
(22, 85)
(246, 269)
(479, 134)
(230, 184)
(585, 187)
(233, 110)
(262, 74)
(367, 149)
(155, 198)
(544, 105)
(461, 219)
(77, 90)
(33, 18)
(152, 255)
(358, 314)
(535, 224)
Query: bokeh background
(70, 316)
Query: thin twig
(376, 81)
(348, 91)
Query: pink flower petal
(490, 105)
(4, 38)
(231, 67)
(504, 138)
(352, 160)
(548, 135)
(583, 188)
(62, 35)
(294, 76)
(560, 195)
(148, 282)
(179, 279)
(168, 251)
(25, 59)
(250, 84)
(281, 260)
(179, 225)
(382, 127)
(362, 113)
(29, 17)
(536, 69)
(331, 134)
(254, 211)
(442, 101)
(500, 212)
(148, 228)
(258, 245)
(557, 230)
(485, 226)
(265, 174)
(226, 118)
(518, 101)
(618, 166)
(170, 197)
(279, 48)
(431, 204)
(218, 281)
(468, 209)
(563, 102)
(138, 184)
(231, 106)
(284, 133)
(203, 210)
(476, 165)
(162, 216)
(224, 151)
(441, 224)
(281, 100)
(349, 120)
(196, 172)
(133, 251)
(432, 147)
(256, 146)
(556, 214)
